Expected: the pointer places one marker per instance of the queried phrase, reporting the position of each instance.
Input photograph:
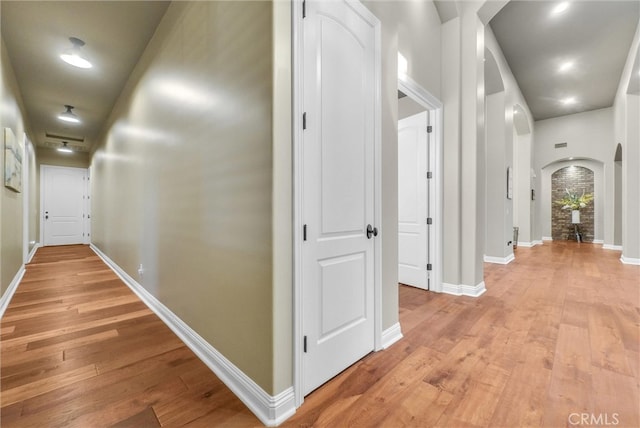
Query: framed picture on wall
(12, 161)
(509, 183)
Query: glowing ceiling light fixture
(568, 100)
(561, 7)
(73, 56)
(64, 148)
(565, 66)
(68, 115)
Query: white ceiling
(595, 35)
(37, 32)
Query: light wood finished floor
(556, 336)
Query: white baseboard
(500, 260)
(525, 244)
(598, 241)
(33, 252)
(391, 335)
(11, 289)
(612, 247)
(537, 242)
(547, 238)
(629, 260)
(464, 290)
(271, 410)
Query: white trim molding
(612, 247)
(297, 107)
(32, 252)
(391, 335)
(547, 238)
(500, 260)
(10, 291)
(598, 241)
(629, 260)
(537, 242)
(271, 410)
(464, 290)
(525, 244)
(435, 107)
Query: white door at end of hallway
(338, 254)
(413, 197)
(64, 198)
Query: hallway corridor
(79, 349)
(556, 336)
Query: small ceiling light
(561, 7)
(64, 148)
(565, 66)
(68, 115)
(73, 56)
(569, 100)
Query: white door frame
(87, 238)
(25, 199)
(434, 106)
(297, 71)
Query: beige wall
(11, 209)
(182, 180)
(626, 132)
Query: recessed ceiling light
(561, 7)
(64, 148)
(568, 100)
(565, 66)
(68, 115)
(73, 56)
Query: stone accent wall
(576, 179)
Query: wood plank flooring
(79, 349)
(556, 336)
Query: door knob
(371, 231)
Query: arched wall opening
(546, 199)
(617, 196)
(498, 160)
(577, 180)
(524, 178)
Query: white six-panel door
(338, 189)
(64, 205)
(412, 200)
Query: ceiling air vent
(561, 145)
(64, 137)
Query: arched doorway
(575, 179)
(617, 198)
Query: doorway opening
(337, 190)
(64, 206)
(419, 186)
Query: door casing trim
(297, 110)
(43, 167)
(434, 106)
